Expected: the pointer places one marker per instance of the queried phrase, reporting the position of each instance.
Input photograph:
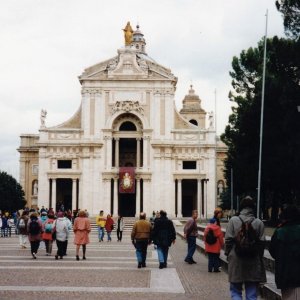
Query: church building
(127, 149)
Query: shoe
(83, 257)
(161, 265)
(193, 262)
(139, 265)
(190, 262)
(56, 257)
(165, 265)
(34, 255)
(77, 257)
(60, 257)
(217, 271)
(143, 265)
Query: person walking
(191, 233)
(120, 225)
(48, 229)
(4, 226)
(22, 229)
(163, 235)
(109, 226)
(140, 236)
(100, 221)
(213, 238)
(82, 228)
(34, 228)
(245, 262)
(10, 224)
(285, 249)
(62, 231)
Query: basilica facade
(127, 148)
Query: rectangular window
(189, 165)
(64, 164)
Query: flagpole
(262, 120)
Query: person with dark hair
(191, 233)
(34, 228)
(245, 269)
(140, 236)
(163, 236)
(285, 249)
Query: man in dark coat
(163, 236)
(285, 249)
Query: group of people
(244, 243)
(161, 232)
(7, 221)
(48, 227)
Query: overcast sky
(46, 45)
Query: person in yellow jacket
(101, 221)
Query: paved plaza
(110, 272)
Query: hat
(44, 213)
(212, 221)
(60, 214)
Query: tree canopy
(11, 193)
(290, 10)
(281, 131)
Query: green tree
(290, 10)
(11, 193)
(281, 135)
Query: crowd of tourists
(243, 242)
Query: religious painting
(127, 180)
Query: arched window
(127, 126)
(194, 122)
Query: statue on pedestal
(43, 117)
(128, 32)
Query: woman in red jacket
(213, 238)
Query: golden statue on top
(128, 32)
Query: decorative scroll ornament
(127, 106)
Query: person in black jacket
(285, 249)
(163, 235)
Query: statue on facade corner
(43, 117)
(128, 32)
(211, 119)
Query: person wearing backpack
(285, 249)
(48, 229)
(22, 229)
(213, 238)
(34, 228)
(163, 235)
(244, 247)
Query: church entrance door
(127, 205)
(64, 194)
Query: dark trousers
(213, 262)
(119, 235)
(34, 246)
(191, 240)
(61, 248)
(141, 250)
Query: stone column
(179, 198)
(138, 198)
(138, 152)
(198, 195)
(108, 152)
(116, 206)
(146, 152)
(74, 194)
(117, 152)
(53, 200)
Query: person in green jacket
(285, 249)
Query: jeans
(213, 262)
(141, 250)
(162, 253)
(101, 233)
(191, 240)
(236, 290)
(3, 232)
(108, 235)
(119, 235)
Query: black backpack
(210, 237)
(246, 240)
(34, 227)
